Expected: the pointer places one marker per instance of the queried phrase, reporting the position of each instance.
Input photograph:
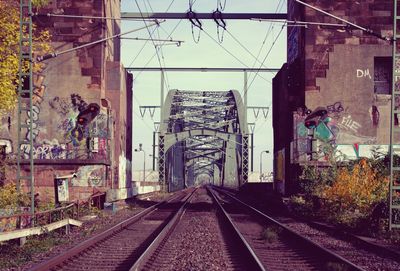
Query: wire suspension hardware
(366, 30)
(55, 54)
(301, 23)
(220, 5)
(217, 16)
(177, 42)
(195, 22)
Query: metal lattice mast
(25, 92)
(394, 200)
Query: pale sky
(205, 53)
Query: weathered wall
(336, 69)
(365, 117)
(319, 40)
(341, 74)
(82, 122)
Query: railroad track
(362, 255)
(119, 247)
(218, 246)
(276, 246)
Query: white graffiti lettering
(35, 118)
(363, 73)
(348, 123)
(45, 151)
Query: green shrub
(271, 234)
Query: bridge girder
(212, 135)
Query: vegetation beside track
(352, 194)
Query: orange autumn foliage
(359, 188)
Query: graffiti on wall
(37, 99)
(45, 150)
(90, 176)
(331, 126)
(7, 145)
(349, 124)
(363, 73)
(83, 126)
(35, 126)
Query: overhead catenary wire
(265, 58)
(300, 23)
(235, 57)
(195, 22)
(144, 45)
(244, 47)
(151, 58)
(268, 33)
(220, 5)
(366, 30)
(87, 17)
(55, 54)
(155, 47)
(177, 42)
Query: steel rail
(294, 234)
(368, 245)
(249, 249)
(165, 233)
(55, 261)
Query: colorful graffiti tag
(90, 176)
(332, 128)
(83, 126)
(45, 151)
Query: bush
(11, 199)
(355, 192)
(314, 179)
(300, 206)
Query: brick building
(83, 107)
(344, 71)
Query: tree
(9, 51)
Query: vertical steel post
(25, 102)
(252, 152)
(394, 187)
(162, 94)
(245, 90)
(154, 151)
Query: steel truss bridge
(203, 133)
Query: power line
(151, 37)
(173, 30)
(265, 58)
(369, 31)
(267, 34)
(144, 45)
(148, 62)
(86, 17)
(146, 124)
(55, 54)
(230, 53)
(140, 51)
(244, 47)
(159, 47)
